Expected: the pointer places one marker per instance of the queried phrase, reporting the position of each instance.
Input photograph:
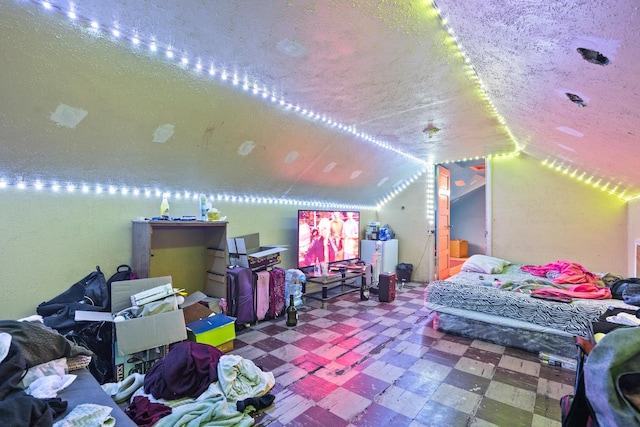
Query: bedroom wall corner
(407, 216)
(541, 216)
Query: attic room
(512, 127)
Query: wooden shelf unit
(193, 253)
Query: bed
(471, 304)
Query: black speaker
(387, 287)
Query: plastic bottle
(297, 293)
(164, 207)
(203, 207)
(292, 312)
(317, 271)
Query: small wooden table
(334, 279)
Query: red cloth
(586, 291)
(145, 413)
(563, 272)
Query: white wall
(541, 216)
(52, 240)
(406, 214)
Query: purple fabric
(186, 371)
(145, 413)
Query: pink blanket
(584, 283)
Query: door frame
(488, 213)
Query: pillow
(484, 264)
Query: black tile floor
(367, 363)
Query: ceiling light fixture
(576, 99)
(430, 130)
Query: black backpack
(123, 272)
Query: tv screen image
(327, 236)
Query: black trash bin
(403, 272)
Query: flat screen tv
(327, 236)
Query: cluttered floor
(349, 362)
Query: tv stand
(346, 279)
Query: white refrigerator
(388, 250)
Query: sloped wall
(541, 216)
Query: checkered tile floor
(367, 363)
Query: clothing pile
(195, 384)
(27, 351)
(582, 283)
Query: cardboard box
(215, 330)
(216, 285)
(143, 333)
(139, 342)
(195, 312)
(459, 248)
(246, 251)
(139, 362)
(226, 347)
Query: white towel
(241, 379)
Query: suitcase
(387, 287)
(240, 297)
(262, 279)
(276, 292)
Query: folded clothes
(624, 319)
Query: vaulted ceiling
(339, 101)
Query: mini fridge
(388, 249)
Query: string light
(591, 180)
(470, 71)
(120, 34)
(98, 189)
(136, 39)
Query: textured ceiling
(388, 87)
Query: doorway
(467, 217)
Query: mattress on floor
(465, 291)
(522, 335)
